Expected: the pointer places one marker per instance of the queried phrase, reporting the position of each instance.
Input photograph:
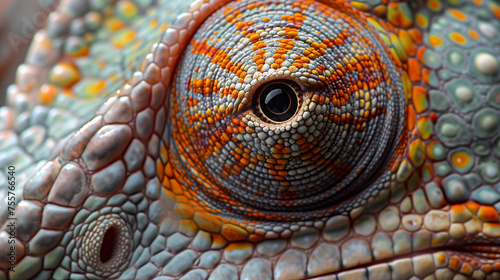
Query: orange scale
(181, 198)
(488, 214)
(458, 38)
(473, 207)
(473, 34)
(244, 162)
(454, 263)
(176, 187)
(255, 238)
(240, 25)
(208, 222)
(426, 76)
(238, 246)
(414, 70)
(458, 14)
(65, 74)
(440, 258)
(189, 196)
(419, 96)
(282, 174)
(461, 159)
(227, 10)
(496, 10)
(159, 167)
(466, 269)
(412, 117)
(166, 183)
(183, 210)
(285, 183)
(434, 5)
(420, 54)
(435, 41)
(47, 94)
(278, 167)
(233, 233)
(114, 24)
(168, 169)
(487, 268)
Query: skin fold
(135, 144)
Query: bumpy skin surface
(140, 151)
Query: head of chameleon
(257, 140)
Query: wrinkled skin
(135, 145)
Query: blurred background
(19, 20)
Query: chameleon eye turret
(276, 101)
(302, 113)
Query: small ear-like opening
(108, 244)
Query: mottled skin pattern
(141, 151)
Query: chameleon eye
(276, 101)
(273, 110)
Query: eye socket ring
(276, 101)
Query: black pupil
(278, 102)
(108, 245)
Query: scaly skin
(140, 150)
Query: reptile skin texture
(280, 139)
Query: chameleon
(217, 139)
